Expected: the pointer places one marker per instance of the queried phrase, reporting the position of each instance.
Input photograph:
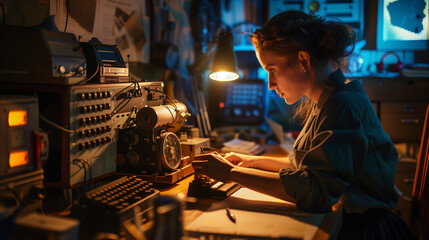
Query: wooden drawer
(397, 89)
(403, 121)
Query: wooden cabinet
(400, 104)
(403, 121)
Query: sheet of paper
(258, 215)
(285, 143)
(276, 128)
(238, 143)
(247, 199)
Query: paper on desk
(238, 143)
(286, 143)
(276, 128)
(258, 215)
(246, 199)
(242, 146)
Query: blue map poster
(405, 20)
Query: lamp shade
(224, 63)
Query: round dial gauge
(171, 152)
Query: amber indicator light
(17, 118)
(18, 158)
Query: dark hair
(327, 42)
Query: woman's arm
(261, 181)
(272, 164)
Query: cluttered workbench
(105, 161)
(171, 213)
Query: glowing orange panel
(17, 118)
(17, 159)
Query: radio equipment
(18, 120)
(105, 61)
(150, 148)
(242, 102)
(81, 121)
(23, 150)
(33, 55)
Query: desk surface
(329, 224)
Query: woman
(342, 154)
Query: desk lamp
(224, 68)
(224, 64)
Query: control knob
(62, 69)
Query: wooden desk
(329, 226)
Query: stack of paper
(242, 146)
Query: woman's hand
(241, 160)
(213, 165)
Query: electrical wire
(67, 15)
(4, 13)
(122, 90)
(90, 172)
(55, 125)
(128, 101)
(128, 98)
(136, 82)
(129, 122)
(93, 75)
(75, 161)
(84, 164)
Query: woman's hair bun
(292, 31)
(337, 41)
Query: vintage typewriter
(107, 207)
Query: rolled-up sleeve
(335, 159)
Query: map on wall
(407, 14)
(405, 19)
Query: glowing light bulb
(224, 76)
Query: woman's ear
(304, 61)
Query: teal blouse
(342, 154)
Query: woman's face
(289, 80)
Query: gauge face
(171, 152)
